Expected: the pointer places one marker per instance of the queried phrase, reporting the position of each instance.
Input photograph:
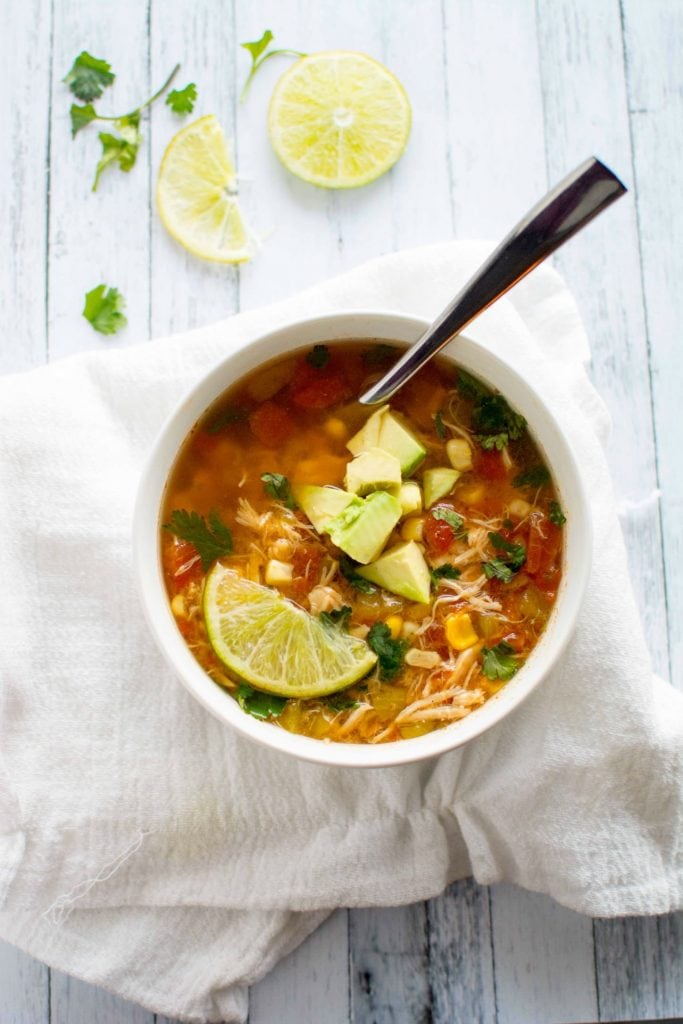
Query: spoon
(567, 208)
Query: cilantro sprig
(259, 53)
(499, 662)
(444, 572)
(534, 477)
(318, 357)
(277, 486)
(555, 514)
(258, 704)
(447, 515)
(503, 567)
(390, 653)
(440, 426)
(87, 79)
(104, 309)
(348, 570)
(338, 617)
(212, 540)
(494, 422)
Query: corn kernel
(519, 508)
(336, 429)
(178, 606)
(460, 631)
(408, 630)
(459, 454)
(412, 528)
(395, 624)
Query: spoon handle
(567, 208)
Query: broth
(492, 542)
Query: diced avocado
(403, 571)
(438, 482)
(396, 437)
(373, 470)
(410, 496)
(321, 503)
(368, 435)
(364, 526)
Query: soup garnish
(353, 576)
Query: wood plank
(388, 965)
(587, 113)
(188, 292)
(639, 964)
(546, 942)
(497, 173)
(75, 1002)
(24, 176)
(100, 237)
(311, 984)
(654, 38)
(24, 988)
(460, 955)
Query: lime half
(196, 194)
(338, 119)
(267, 641)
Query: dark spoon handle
(567, 208)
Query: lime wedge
(196, 194)
(267, 641)
(338, 119)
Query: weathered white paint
(506, 97)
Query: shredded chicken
(324, 599)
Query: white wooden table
(507, 96)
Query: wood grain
(24, 988)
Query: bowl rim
(154, 477)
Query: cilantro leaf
(337, 617)
(212, 540)
(504, 567)
(378, 355)
(444, 572)
(318, 357)
(495, 423)
(259, 52)
(226, 418)
(534, 477)
(348, 570)
(499, 662)
(447, 515)
(81, 117)
(470, 387)
(182, 101)
(277, 486)
(258, 704)
(88, 77)
(555, 514)
(439, 426)
(338, 702)
(390, 653)
(104, 309)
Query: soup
(359, 575)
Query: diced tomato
(438, 535)
(271, 424)
(205, 443)
(490, 465)
(517, 640)
(435, 639)
(182, 563)
(327, 389)
(306, 561)
(543, 544)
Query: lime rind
(270, 643)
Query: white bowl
(340, 327)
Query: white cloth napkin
(147, 848)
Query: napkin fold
(146, 847)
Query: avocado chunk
(410, 496)
(368, 435)
(438, 482)
(364, 526)
(403, 571)
(373, 470)
(321, 503)
(387, 430)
